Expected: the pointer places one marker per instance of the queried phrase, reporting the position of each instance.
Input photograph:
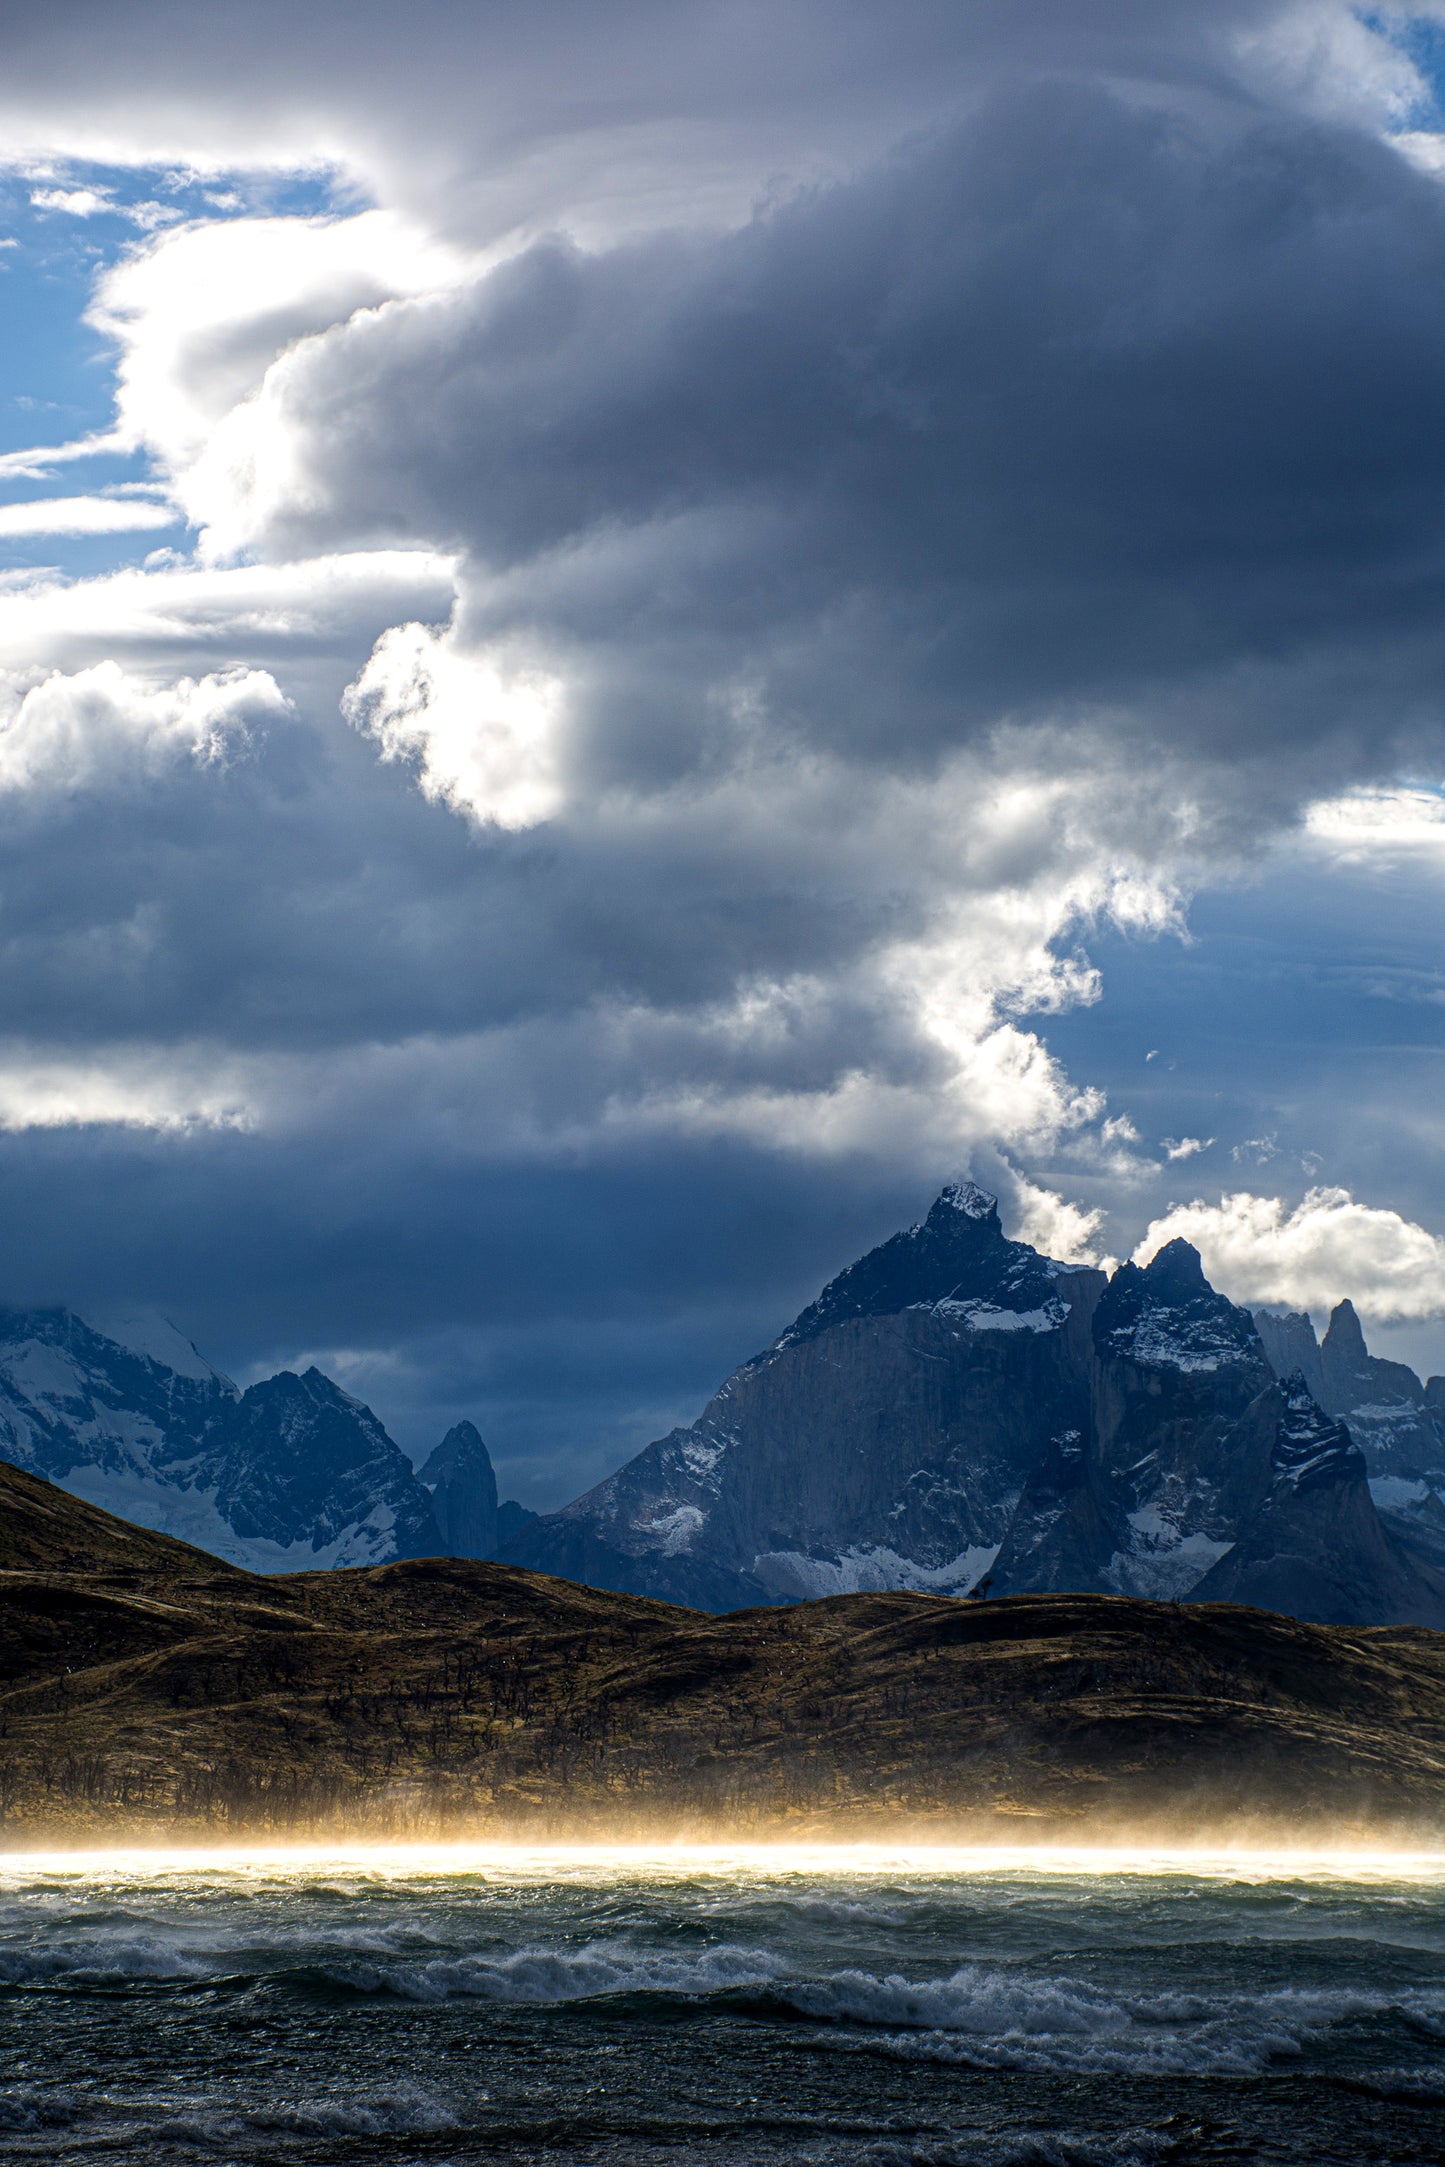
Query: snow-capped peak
(147, 1333)
(129, 1415)
(967, 1197)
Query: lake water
(752, 2008)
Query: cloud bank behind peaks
(1326, 1248)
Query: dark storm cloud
(574, 1310)
(1081, 404)
(440, 1021)
(300, 897)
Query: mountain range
(955, 1414)
(292, 1472)
(958, 1413)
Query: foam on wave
(1000, 2020)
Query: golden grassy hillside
(148, 1691)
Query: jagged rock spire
(1312, 1450)
(463, 1485)
(1345, 1339)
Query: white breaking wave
(100, 1963)
(1000, 2020)
(408, 2111)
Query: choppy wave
(100, 1963)
(838, 2024)
(813, 1904)
(986, 2019)
(408, 2111)
(404, 2110)
(546, 1976)
(369, 1962)
(1416, 2086)
(25, 2109)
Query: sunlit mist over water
(671, 1861)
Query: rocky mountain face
(291, 1473)
(958, 1413)
(1397, 1422)
(463, 1490)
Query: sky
(632, 634)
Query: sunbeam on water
(726, 2005)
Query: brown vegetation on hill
(147, 1691)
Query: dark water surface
(755, 2010)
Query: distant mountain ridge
(289, 1474)
(956, 1411)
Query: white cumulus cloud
(75, 202)
(1327, 1248)
(98, 725)
(1367, 826)
(483, 739)
(202, 314)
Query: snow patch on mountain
(869, 1569)
(1394, 1493)
(968, 1198)
(194, 1516)
(191, 1515)
(1165, 1557)
(1168, 1344)
(981, 1316)
(673, 1532)
(700, 1455)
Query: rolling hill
(150, 1692)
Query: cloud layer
(1025, 422)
